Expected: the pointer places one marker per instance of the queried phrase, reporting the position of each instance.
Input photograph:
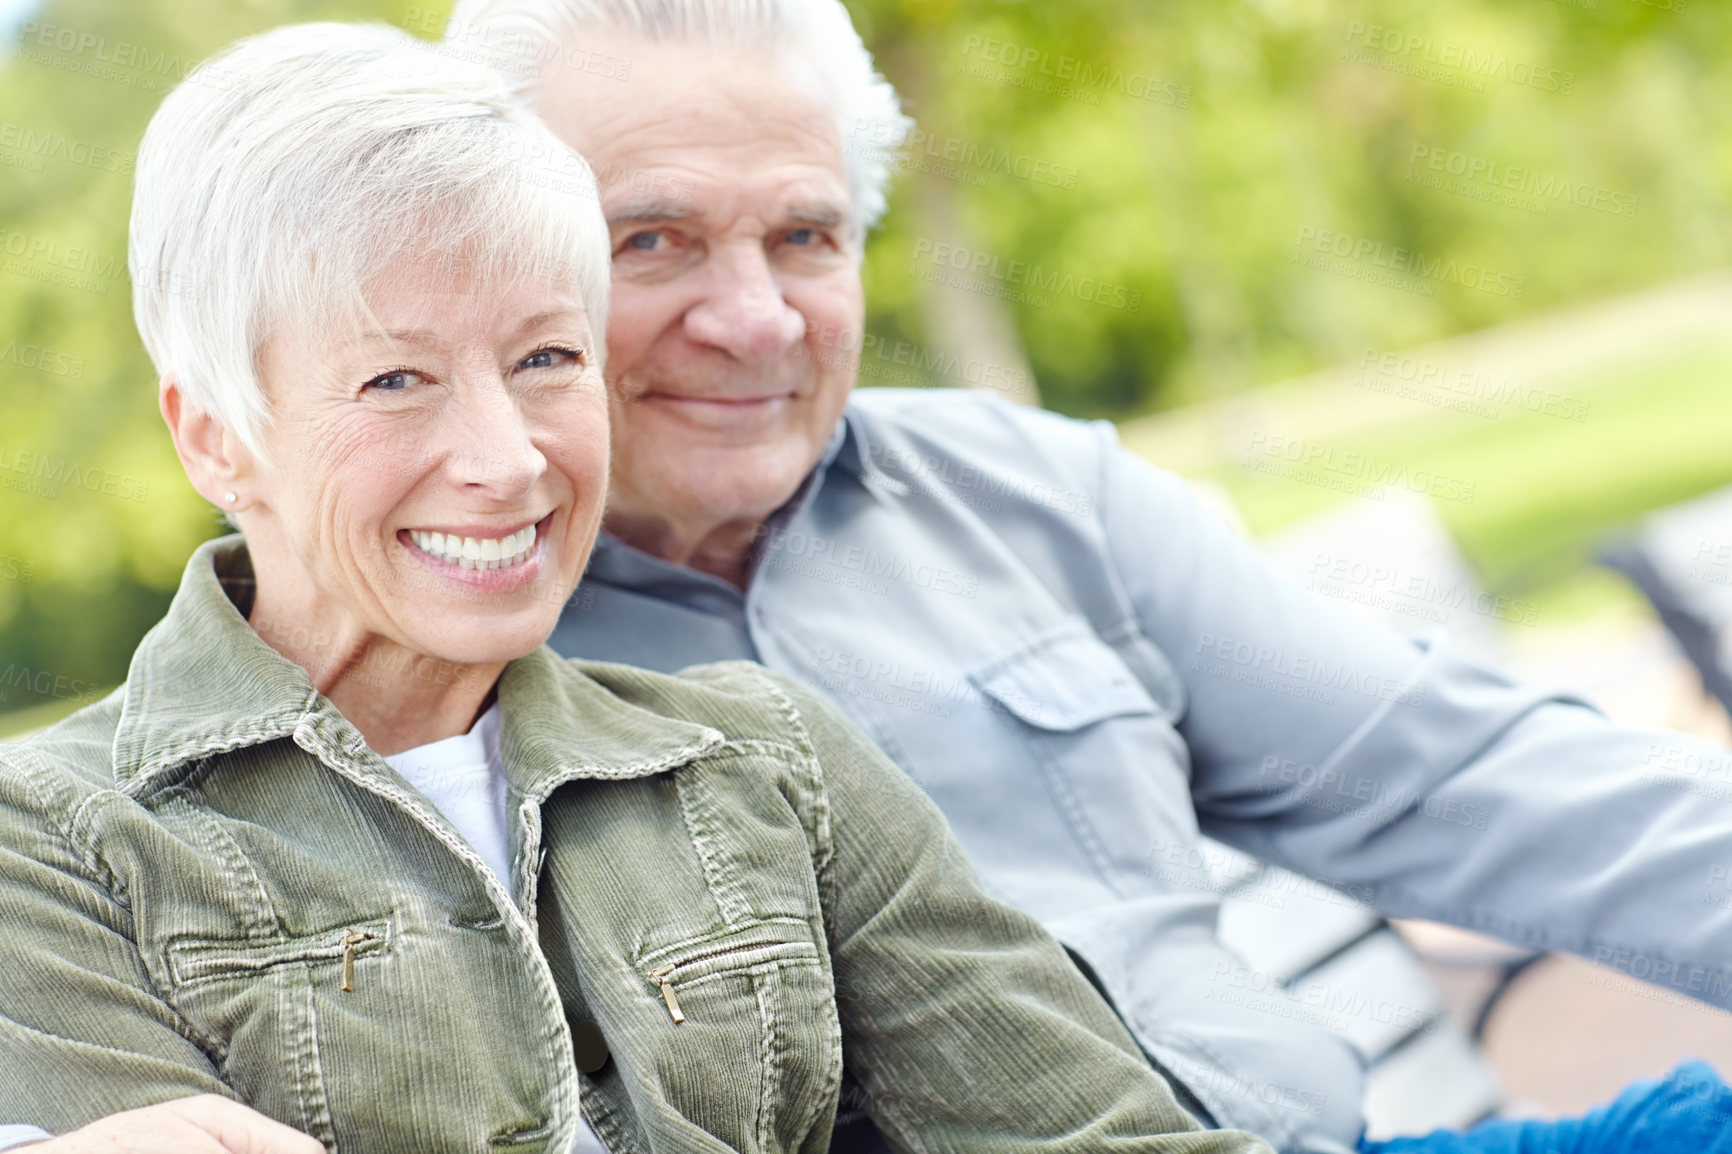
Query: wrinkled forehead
(692, 121)
(433, 300)
(433, 307)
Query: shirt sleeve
(965, 1024)
(14, 1136)
(1429, 784)
(83, 1034)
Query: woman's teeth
(477, 552)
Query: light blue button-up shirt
(1085, 670)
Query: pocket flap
(1064, 681)
(205, 959)
(770, 941)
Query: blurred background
(1432, 300)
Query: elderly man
(1049, 636)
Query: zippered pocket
(209, 960)
(773, 941)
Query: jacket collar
(558, 723)
(849, 451)
(203, 683)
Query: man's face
(737, 303)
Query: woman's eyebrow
(395, 336)
(546, 315)
(426, 337)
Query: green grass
(1546, 490)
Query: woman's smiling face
(435, 480)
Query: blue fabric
(1690, 1112)
(1082, 667)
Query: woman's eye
(548, 358)
(394, 381)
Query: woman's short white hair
(516, 33)
(289, 173)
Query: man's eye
(802, 236)
(394, 381)
(644, 241)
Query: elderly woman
(351, 855)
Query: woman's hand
(206, 1124)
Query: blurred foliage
(1194, 140)
(96, 517)
(1288, 127)
(1547, 492)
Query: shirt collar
(203, 683)
(848, 451)
(854, 450)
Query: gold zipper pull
(350, 941)
(661, 976)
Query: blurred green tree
(1138, 196)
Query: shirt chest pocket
(749, 1042)
(1103, 739)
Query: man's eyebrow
(649, 210)
(659, 210)
(821, 214)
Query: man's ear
(217, 462)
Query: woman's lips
(493, 562)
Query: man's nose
(743, 312)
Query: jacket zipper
(349, 942)
(664, 976)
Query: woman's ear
(217, 462)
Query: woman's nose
(489, 442)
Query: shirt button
(588, 1047)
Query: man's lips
(719, 412)
(721, 402)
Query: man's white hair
(542, 33)
(288, 174)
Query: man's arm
(966, 1024)
(1421, 781)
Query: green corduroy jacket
(209, 883)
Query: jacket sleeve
(82, 1032)
(965, 1023)
(1426, 783)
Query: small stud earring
(230, 497)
